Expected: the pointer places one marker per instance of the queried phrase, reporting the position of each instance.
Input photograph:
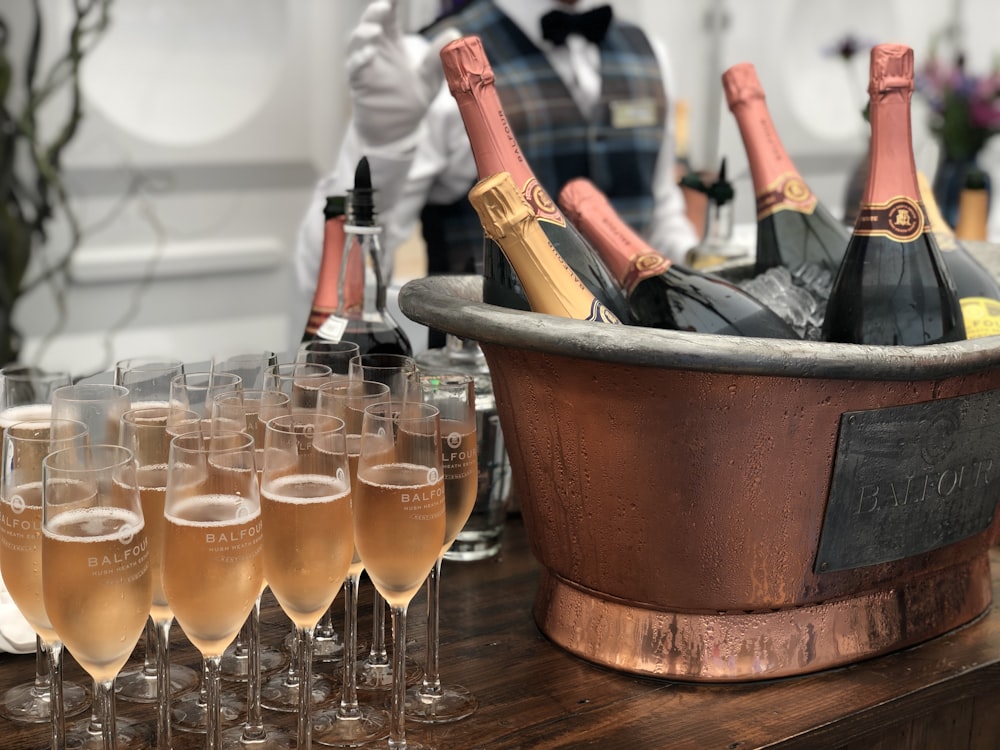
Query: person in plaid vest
(585, 98)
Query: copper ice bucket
(714, 508)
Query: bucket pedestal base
(746, 646)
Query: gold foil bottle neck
(741, 84)
(891, 68)
(500, 205)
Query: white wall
(194, 164)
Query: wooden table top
(532, 694)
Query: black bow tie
(592, 25)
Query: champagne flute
(337, 355)
(195, 390)
(399, 372)
(454, 395)
(148, 380)
(399, 518)
(96, 580)
(99, 406)
(308, 529)
(300, 380)
(253, 409)
(25, 445)
(351, 724)
(250, 366)
(26, 393)
(212, 567)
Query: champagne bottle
(326, 296)
(361, 315)
(978, 292)
(495, 149)
(793, 228)
(549, 284)
(662, 294)
(893, 287)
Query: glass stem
(213, 726)
(378, 654)
(55, 678)
(150, 659)
(324, 629)
(106, 698)
(349, 708)
(96, 726)
(397, 733)
(292, 674)
(163, 738)
(431, 683)
(253, 730)
(41, 687)
(305, 646)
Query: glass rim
(12, 429)
(206, 379)
(148, 364)
(368, 389)
(17, 370)
(385, 361)
(84, 392)
(114, 456)
(321, 423)
(196, 441)
(397, 408)
(280, 397)
(129, 415)
(327, 345)
(291, 369)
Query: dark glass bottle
(793, 228)
(662, 294)
(495, 149)
(978, 292)
(893, 287)
(361, 315)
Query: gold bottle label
(901, 219)
(787, 193)
(981, 316)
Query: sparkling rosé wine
(399, 526)
(96, 585)
(21, 554)
(461, 475)
(213, 568)
(308, 543)
(152, 481)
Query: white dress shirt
(438, 167)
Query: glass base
(332, 729)
(277, 694)
(130, 735)
(25, 704)
(187, 714)
(450, 703)
(235, 665)
(273, 739)
(379, 676)
(140, 687)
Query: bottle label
(787, 193)
(642, 267)
(332, 329)
(601, 314)
(901, 219)
(541, 204)
(981, 316)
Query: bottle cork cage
(713, 508)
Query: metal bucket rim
(454, 304)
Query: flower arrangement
(965, 108)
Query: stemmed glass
(99, 406)
(96, 580)
(351, 724)
(399, 372)
(25, 445)
(249, 366)
(337, 355)
(300, 380)
(252, 409)
(26, 393)
(399, 518)
(308, 529)
(212, 565)
(195, 390)
(148, 382)
(454, 395)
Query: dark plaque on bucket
(910, 479)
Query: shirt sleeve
(671, 231)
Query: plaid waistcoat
(556, 139)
